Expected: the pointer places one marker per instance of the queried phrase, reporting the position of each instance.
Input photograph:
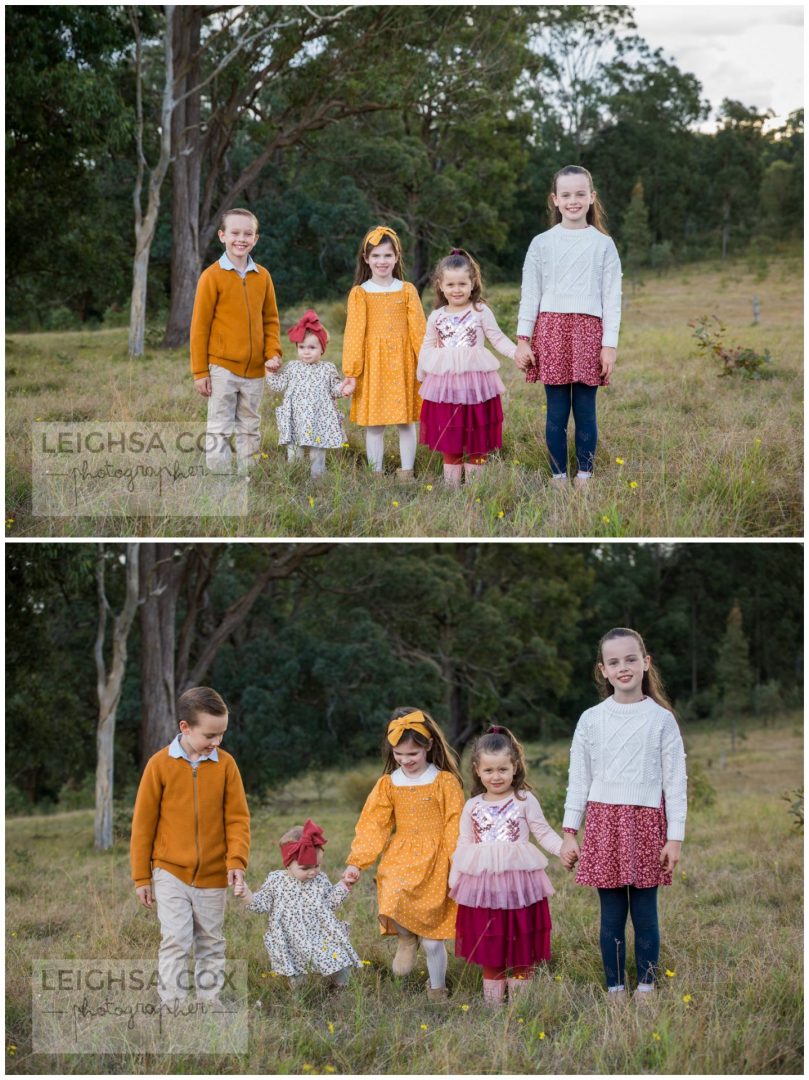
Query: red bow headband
(304, 851)
(309, 324)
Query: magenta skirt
(567, 349)
(462, 429)
(504, 937)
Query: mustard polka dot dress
(412, 875)
(383, 336)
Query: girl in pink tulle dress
(461, 412)
(498, 876)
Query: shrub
(795, 800)
(78, 794)
(16, 803)
(767, 700)
(701, 792)
(356, 787)
(709, 331)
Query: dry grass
(708, 456)
(731, 929)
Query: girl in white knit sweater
(570, 313)
(627, 775)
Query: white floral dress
(308, 416)
(304, 933)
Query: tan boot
(494, 993)
(405, 959)
(437, 995)
(453, 475)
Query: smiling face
(381, 261)
(456, 285)
(623, 665)
(496, 772)
(573, 198)
(309, 350)
(411, 757)
(305, 873)
(204, 735)
(239, 236)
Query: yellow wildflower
(656, 1036)
(558, 978)
(477, 500)
(330, 1026)
(264, 974)
(687, 999)
(394, 503)
(265, 457)
(429, 487)
(757, 441)
(345, 446)
(367, 963)
(424, 1027)
(605, 519)
(619, 461)
(501, 513)
(541, 1035)
(311, 501)
(670, 974)
(12, 1049)
(633, 484)
(464, 1008)
(520, 1020)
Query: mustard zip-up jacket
(235, 322)
(192, 822)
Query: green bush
(709, 331)
(356, 787)
(701, 792)
(17, 804)
(78, 794)
(795, 800)
(767, 700)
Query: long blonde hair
(596, 214)
(439, 754)
(652, 684)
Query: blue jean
(582, 399)
(615, 905)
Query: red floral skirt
(462, 429)
(567, 349)
(504, 937)
(622, 846)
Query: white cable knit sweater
(572, 270)
(630, 755)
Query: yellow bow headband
(378, 234)
(414, 721)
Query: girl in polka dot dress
(627, 777)
(498, 876)
(570, 314)
(383, 335)
(419, 799)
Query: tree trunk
(186, 257)
(161, 579)
(137, 308)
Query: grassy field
(699, 455)
(731, 932)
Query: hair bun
(495, 729)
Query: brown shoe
(405, 959)
(437, 996)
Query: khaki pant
(233, 407)
(189, 917)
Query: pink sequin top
(454, 363)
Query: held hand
(608, 355)
(569, 855)
(273, 364)
(236, 879)
(203, 385)
(524, 358)
(144, 894)
(670, 855)
(351, 874)
(348, 387)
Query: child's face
(382, 260)
(411, 757)
(456, 285)
(239, 237)
(622, 665)
(205, 735)
(573, 198)
(496, 772)
(305, 873)
(309, 350)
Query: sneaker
(617, 998)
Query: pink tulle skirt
(504, 937)
(462, 429)
(462, 388)
(506, 889)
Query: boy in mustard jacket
(191, 837)
(234, 329)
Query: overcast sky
(751, 53)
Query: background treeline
(446, 122)
(312, 644)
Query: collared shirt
(226, 264)
(176, 750)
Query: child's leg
(558, 399)
(612, 935)
(294, 453)
(494, 986)
(584, 416)
(248, 421)
(519, 979)
(375, 446)
(175, 912)
(209, 941)
(405, 959)
(643, 908)
(317, 460)
(221, 419)
(408, 440)
(436, 954)
(453, 469)
(473, 465)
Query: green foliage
(77, 794)
(795, 800)
(709, 330)
(16, 803)
(701, 792)
(636, 233)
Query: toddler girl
(461, 414)
(498, 876)
(384, 331)
(420, 797)
(570, 312)
(307, 416)
(304, 934)
(627, 774)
